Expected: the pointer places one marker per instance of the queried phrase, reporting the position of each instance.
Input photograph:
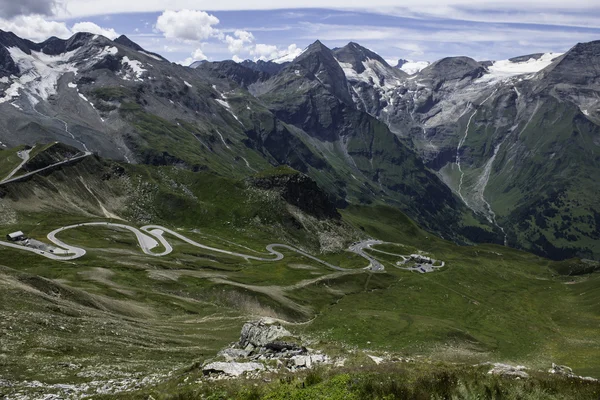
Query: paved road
(150, 236)
(7, 180)
(24, 155)
(359, 248)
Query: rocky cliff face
(300, 191)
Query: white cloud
(93, 28)
(264, 51)
(186, 63)
(35, 27)
(187, 24)
(271, 52)
(198, 55)
(413, 49)
(574, 12)
(237, 42)
(38, 28)
(237, 59)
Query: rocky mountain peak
(577, 66)
(453, 68)
(126, 42)
(401, 62)
(356, 55)
(9, 39)
(320, 62)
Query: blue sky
(480, 30)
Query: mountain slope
(460, 146)
(312, 94)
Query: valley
(438, 228)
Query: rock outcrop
(260, 349)
(509, 371)
(232, 368)
(301, 191)
(259, 333)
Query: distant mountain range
(499, 151)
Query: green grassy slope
(117, 312)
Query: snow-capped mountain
(459, 145)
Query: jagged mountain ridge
(476, 125)
(125, 103)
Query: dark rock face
(238, 73)
(125, 41)
(535, 56)
(578, 66)
(321, 64)
(401, 62)
(300, 191)
(7, 65)
(268, 67)
(9, 39)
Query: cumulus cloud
(197, 55)
(38, 28)
(187, 24)
(93, 28)
(13, 8)
(194, 26)
(236, 43)
(35, 27)
(266, 52)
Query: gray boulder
(509, 371)
(561, 370)
(260, 334)
(231, 368)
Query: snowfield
(506, 69)
(412, 67)
(39, 74)
(136, 68)
(373, 70)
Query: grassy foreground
(119, 314)
(415, 380)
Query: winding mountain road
(151, 236)
(23, 155)
(9, 178)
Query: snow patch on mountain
(136, 69)
(4, 79)
(505, 69)
(39, 74)
(112, 50)
(412, 67)
(375, 73)
(223, 103)
(288, 57)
